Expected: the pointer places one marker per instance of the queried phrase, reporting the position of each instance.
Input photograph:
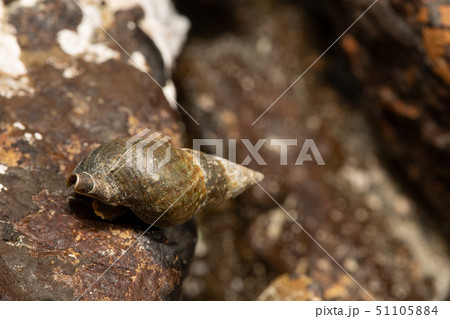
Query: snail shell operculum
(116, 174)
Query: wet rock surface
(62, 95)
(400, 60)
(352, 206)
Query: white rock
(3, 169)
(161, 23)
(165, 27)
(19, 126)
(79, 43)
(139, 62)
(10, 63)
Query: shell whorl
(224, 179)
(189, 182)
(239, 178)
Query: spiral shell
(116, 174)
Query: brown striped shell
(116, 174)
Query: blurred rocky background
(376, 106)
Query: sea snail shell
(115, 174)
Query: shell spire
(239, 178)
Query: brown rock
(402, 69)
(287, 288)
(303, 288)
(55, 106)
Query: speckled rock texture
(229, 73)
(66, 87)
